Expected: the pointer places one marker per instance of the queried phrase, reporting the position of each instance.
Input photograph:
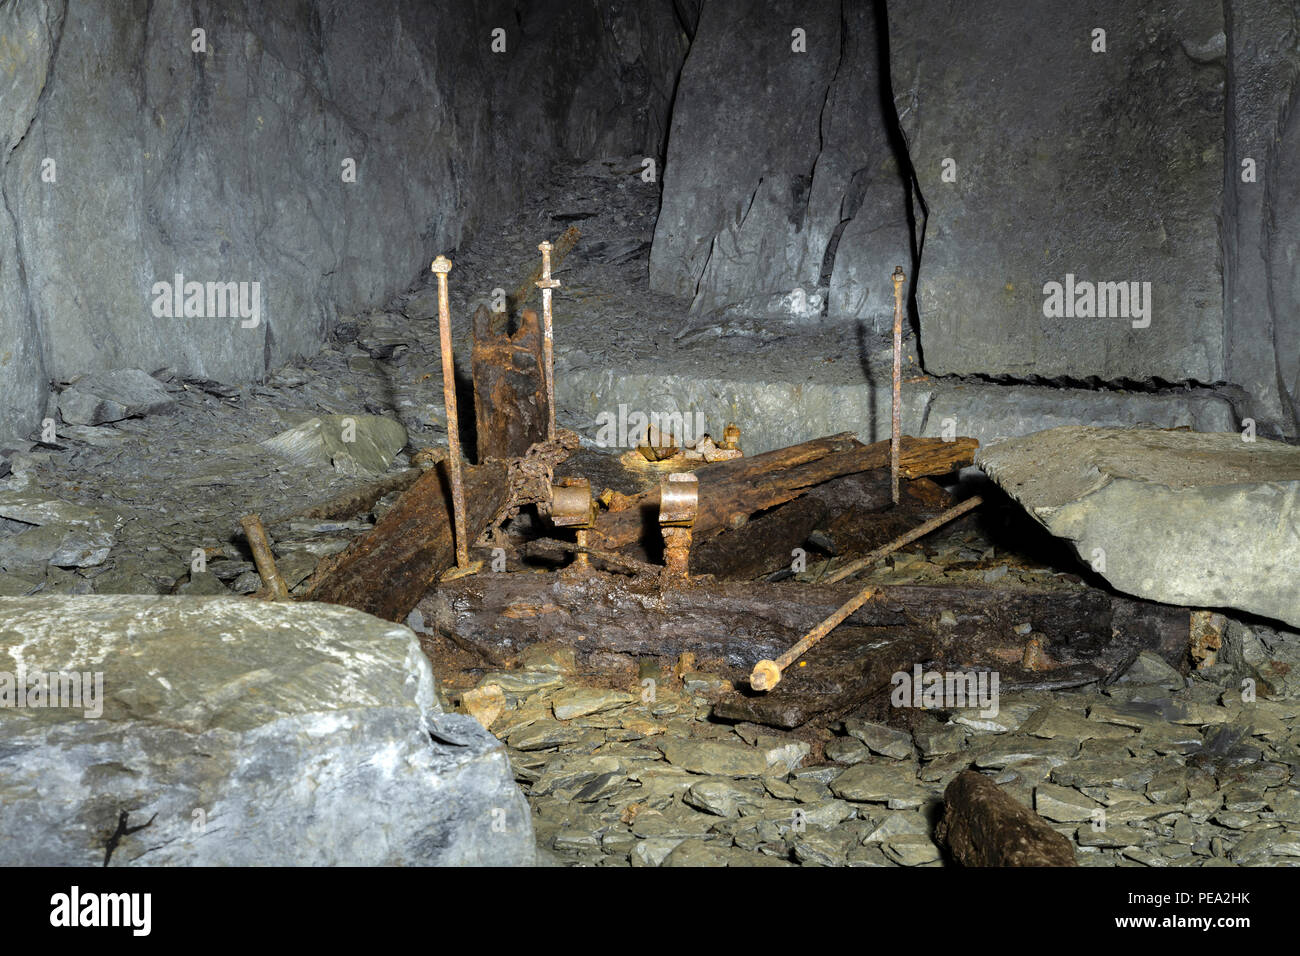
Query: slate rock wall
(781, 191)
(225, 166)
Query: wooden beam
(388, 569)
(510, 403)
(984, 826)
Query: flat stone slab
(1206, 520)
(234, 732)
(103, 397)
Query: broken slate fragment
(581, 701)
(714, 757)
(360, 445)
(103, 397)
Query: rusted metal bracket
(573, 507)
(679, 503)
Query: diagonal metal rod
(920, 531)
(546, 284)
(767, 674)
(441, 266)
(895, 434)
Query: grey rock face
(112, 396)
(22, 361)
(1105, 166)
(228, 166)
(1261, 225)
(777, 156)
(240, 733)
(1181, 517)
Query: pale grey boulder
(1205, 520)
(40, 529)
(235, 732)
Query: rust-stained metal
(1034, 657)
(679, 500)
(657, 446)
(895, 435)
(920, 531)
(441, 266)
(730, 437)
(548, 284)
(562, 247)
(573, 507)
(767, 674)
(273, 586)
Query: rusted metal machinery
(679, 504)
(441, 266)
(573, 507)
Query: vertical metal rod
(441, 266)
(895, 435)
(546, 284)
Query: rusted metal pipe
(441, 266)
(546, 284)
(767, 674)
(895, 435)
(273, 586)
(920, 531)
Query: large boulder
(779, 166)
(144, 153)
(233, 732)
(1206, 520)
(1062, 162)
